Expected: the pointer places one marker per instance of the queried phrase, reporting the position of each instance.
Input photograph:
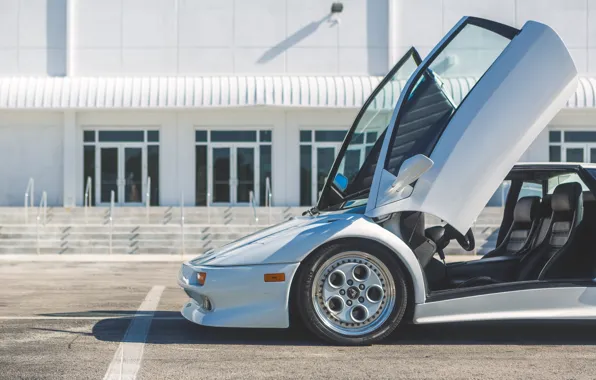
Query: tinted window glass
(89, 170)
(574, 154)
(430, 105)
(585, 136)
(330, 136)
(265, 171)
(305, 175)
(554, 153)
(305, 136)
(88, 136)
(554, 136)
(201, 175)
(122, 136)
(265, 136)
(153, 172)
(233, 136)
(153, 136)
(201, 136)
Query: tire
(336, 312)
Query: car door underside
(545, 239)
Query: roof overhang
(190, 93)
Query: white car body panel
(481, 143)
(235, 273)
(547, 303)
(239, 295)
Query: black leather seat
(557, 255)
(523, 230)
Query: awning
(82, 93)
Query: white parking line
(127, 359)
(51, 318)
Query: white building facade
(210, 101)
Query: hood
(287, 242)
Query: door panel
(221, 175)
(473, 141)
(109, 174)
(133, 175)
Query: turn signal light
(275, 277)
(201, 277)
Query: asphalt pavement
(112, 320)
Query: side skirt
(536, 301)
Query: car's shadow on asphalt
(168, 327)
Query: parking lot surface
(71, 320)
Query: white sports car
(362, 261)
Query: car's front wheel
(352, 294)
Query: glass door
(133, 176)
(575, 153)
(108, 174)
(592, 154)
(245, 173)
(221, 159)
(324, 155)
(122, 170)
(234, 174)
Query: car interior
(544, 235)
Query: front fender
(294, 244)
(367, 230)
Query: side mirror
(341, 181)
(411, 169)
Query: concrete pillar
(290, 151)
(186, 161)
(168, 162)
(393, 25)
(69, 159)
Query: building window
(572, 146)
(232, 164)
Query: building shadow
(292, 40)
(168, 327)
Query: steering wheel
(467, 241)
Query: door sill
(443, 295)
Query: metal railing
(29, 201)
(148, 197)
(209, 208)
(268, 196)
(111, 220)
(42, 211)
(182, 252)
(87, 200)
(251, 201)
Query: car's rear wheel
(352, 294)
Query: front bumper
(239, 295)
